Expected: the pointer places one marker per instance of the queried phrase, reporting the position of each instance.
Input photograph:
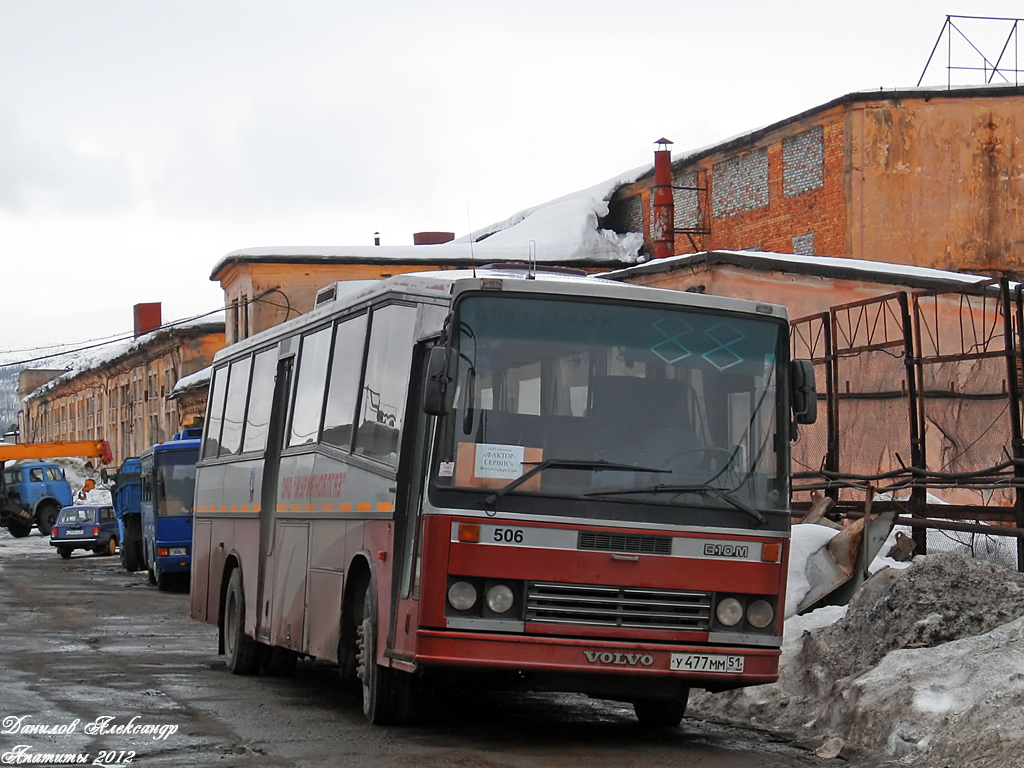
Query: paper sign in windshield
(499, 462)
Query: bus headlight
(729, 612)
(760, 614)
(500, 598)
(462, 595)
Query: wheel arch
(360, 572)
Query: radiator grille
(615, 542)
(601, 606)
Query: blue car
(87, 526)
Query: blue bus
(168, 487)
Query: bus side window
(309, 390)
(343, 389)
(234, 407)
(261, 396)
(385, 386)
(215, 413)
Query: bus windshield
(636, 403)
(175, 482)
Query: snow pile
(77, 471)
(921, 668)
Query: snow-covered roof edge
(563, 230)
(830, 266)
(92, 359)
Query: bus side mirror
(439, 382)
(804, 392)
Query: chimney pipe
(663, 208)
(147, 318)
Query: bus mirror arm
(803, 391)
(439, 380)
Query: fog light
(729, 612)
(500, 598)
(760, 613)
(462, 595)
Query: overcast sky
(141, 141)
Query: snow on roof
(859, 269)
(200, 378)
(80, 361)
(563, 230)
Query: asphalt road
(95, 662)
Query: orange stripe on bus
(385, 506)
(233, 508)
(294, 507)
(223, 508)
(326, 507)
(345, 507)
(364, 506)
(280, 507)
(311, 507)
(245, 507)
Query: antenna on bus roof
(472, 255)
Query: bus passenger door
(408, 504)
(268, 495)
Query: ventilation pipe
(147, 318)
(663, 208)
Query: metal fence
(921, 399)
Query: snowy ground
(925, 667)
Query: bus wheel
(386, 692)
(662, 713)
(46, 518)
(243, 652)
(163, 581)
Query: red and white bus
(549, 482)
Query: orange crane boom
(97, 448)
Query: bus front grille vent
(628, 607)
(617, 542)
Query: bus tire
(163, 581)
(131, 547)
(662, 713)
(243, 652)
(386, 692)
(46, 518)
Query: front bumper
(643, 661)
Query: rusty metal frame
(989, 325)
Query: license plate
(706, 662)
(74, 533)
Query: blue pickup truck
(37, 490)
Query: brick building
(122, 395)
(933, 178)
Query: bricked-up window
(688, 213)
(803, 245)
(803, 162)
(740, 184)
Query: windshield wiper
(704, 488)
(584, 464)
